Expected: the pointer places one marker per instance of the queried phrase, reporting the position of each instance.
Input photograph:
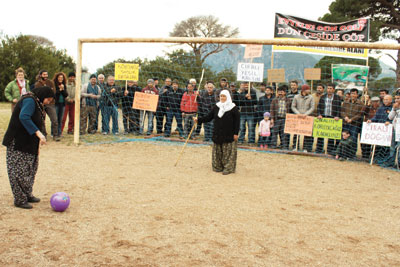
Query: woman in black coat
(22, 139)
(226, 118)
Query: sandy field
(131, 207)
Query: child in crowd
(265, 131)
(345, 148)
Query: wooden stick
(297, 141)
(144, 116)
(183, 148)
(290, 42)
(311, 86)
(198, 90)
(373, 154)
(397, 157)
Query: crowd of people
(264, 108)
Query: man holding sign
(394, 115)
(149, 89)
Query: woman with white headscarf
(226, 118)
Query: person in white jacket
(394, 116)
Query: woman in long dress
(226, 118)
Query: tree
(26, 52)
(385, 17)
(206, 27)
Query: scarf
(227, 105)
(21, 86)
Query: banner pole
(297, 142)
(373, 154)
(198, 90)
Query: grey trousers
(51, 111)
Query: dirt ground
(131, 207)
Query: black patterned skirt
(224, 157)
(21, 168)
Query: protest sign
(376, 134)
(349, 76)
(276, 75)
(250, 72)
(313, 74)
(144, 101)
(125, 71)
(290, 27)
(397, 131)
(252, 51)
(299, 124)
(327, 128)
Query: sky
(64, 22)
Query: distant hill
(293, 63)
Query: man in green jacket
(15, 89)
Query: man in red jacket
(188, 109)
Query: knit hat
(305, 87)
(71, 74)
(92, 76)
(150, 81)
(267, 114)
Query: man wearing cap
(149, 89)
(70, 104)
(223, 85)
(303, 104)
(279, 107)
(111, 96)
(369, 113)
(50, 108)
(206, 100)
(189, 108)
(329, 106)
(247, 101)
(90, 95)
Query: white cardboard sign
(376, 134)
(250, 72)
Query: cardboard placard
(250, 72)
(376, 134)
(299, 124)
(327, 128)
(276, 75)
(313, 74)
(125, 71)
(144, 101)
(252, 51)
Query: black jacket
(224, 128)
(111, 99)
(127, 101)
(16, 131)
(336, 106)
(63, 93)
(247, 106)
(264, 105)
(206, 102)
(173, 99)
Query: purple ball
(59, 201)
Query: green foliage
(26, 52)
(326, 66)
(384, 83)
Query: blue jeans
(108, 113)
(150, 125)
(60, 107)
(251, 128)
(178, 117)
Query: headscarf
(227, 105)
(43, 92)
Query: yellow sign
(125, 71)
(327, 128)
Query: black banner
(293, 27)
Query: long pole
(373, 154)
(78, 94)
(183, 148)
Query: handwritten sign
(144, 101)
(299, 124)
(313, 74)
(276, 75)
(376, 134)
(327, 128)
(397, 131)
(124, 71)
(250, 72)
(252, 51)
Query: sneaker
(33, 199)
(104, 133)
(305, 151)
(23, 205)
